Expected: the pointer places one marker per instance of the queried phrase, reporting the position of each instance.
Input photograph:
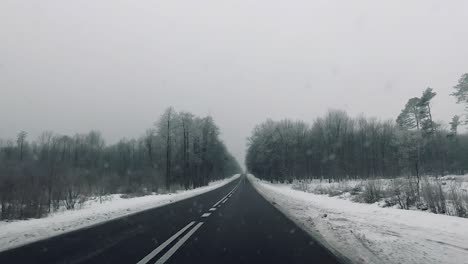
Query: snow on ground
(318, 186)
(461, 180)
(454, 191)
(367, 233)
(17, 233)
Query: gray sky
(72, 66)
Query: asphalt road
(232, 224)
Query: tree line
(56, 171)
(337, 146)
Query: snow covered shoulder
(17, 233)
(367, 233)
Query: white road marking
(229, 194)
(221, 200)
(216, 204)
(168, 254)
(179, 243)
(165, 244)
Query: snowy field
(443, 195)
(368, 233)
(324, 187)
(17, 233)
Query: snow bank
(17, 233)
(367, 233)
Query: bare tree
(21, 142)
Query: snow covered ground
(324, 187)
(367, 233)
(17, 233)
(449, 192)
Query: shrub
(301, 186)
(372, 192)
(458, 199)
(403, 192)
(355, 190)
(433, 195)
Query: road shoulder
(19, 233)
(370, 234)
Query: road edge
(314, 234)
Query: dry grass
(444, 195)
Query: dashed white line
(179, 243)
(220, 201)
(216, 204)
(163, 245)
(223, 200)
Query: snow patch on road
(17, 233)
(367, 233)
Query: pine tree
(409, 117)
(424, 105)
(461, 93)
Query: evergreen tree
(461, 92)
(409, 117)
(424, 105)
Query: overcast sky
(114, 66)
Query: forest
(338, 147)
(181, 151)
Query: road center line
(216, 204)
(206, 214)
(165, 244)
(227, 195)
(179, 243)
(221, 199)
(212, 209)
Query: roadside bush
(433, 195)
(444, 195)
(334, 192)
(403, 192)
(302, 186)
(137, 193)
(372, 192)
(458, 200)
(330, 189)
(355, 190)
